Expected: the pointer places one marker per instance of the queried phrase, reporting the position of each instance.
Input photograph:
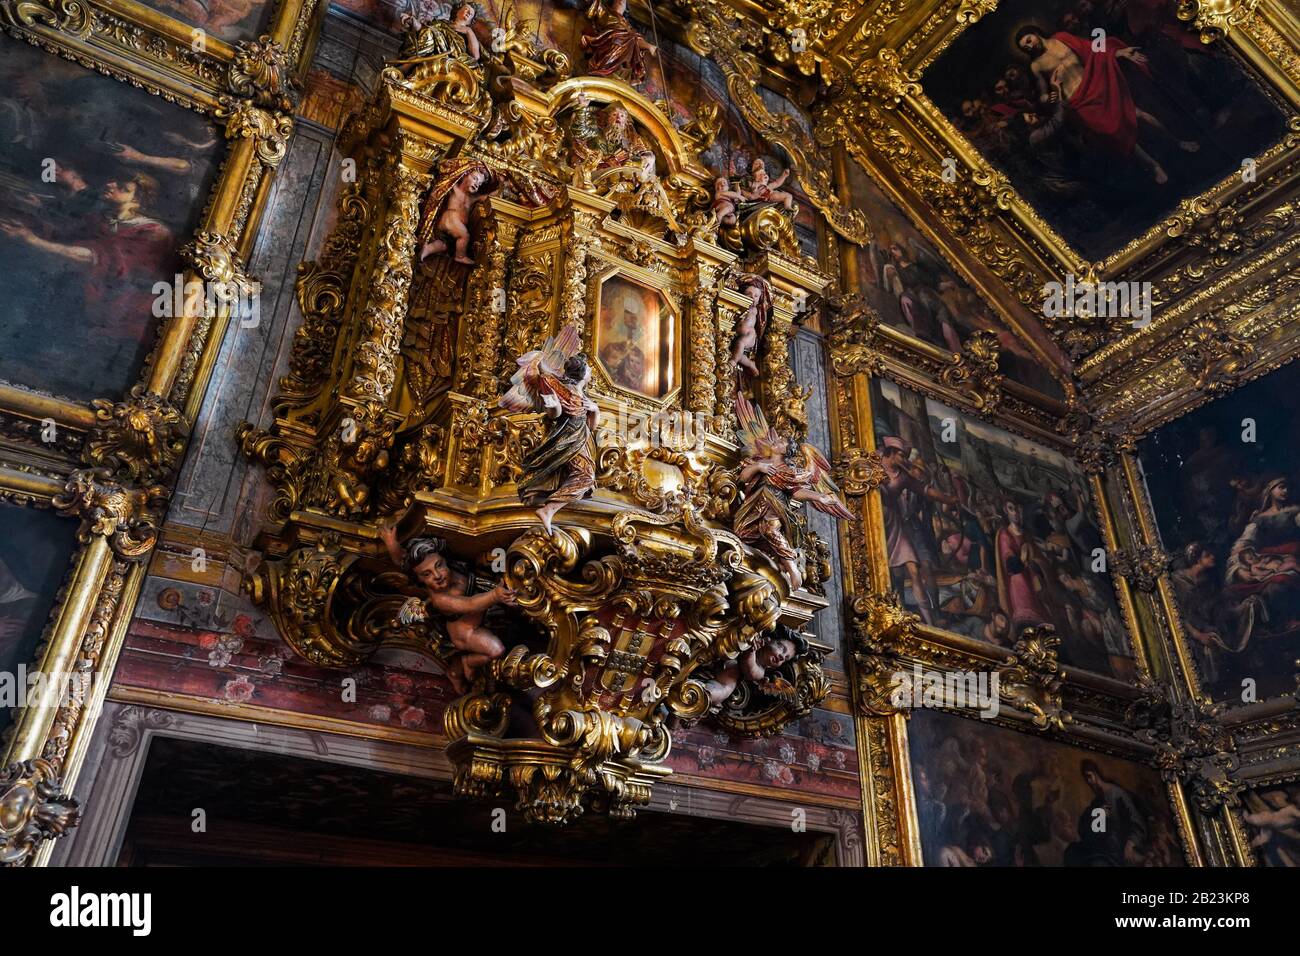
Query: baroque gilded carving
(974, 371)
(33, 808)
(126, 515)
(1214, 356)
(140, 439)
(1193, 746)
(577, 550)
(263, 72)
(1215, 18)
(1031, 679)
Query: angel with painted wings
(761, 664)
(775, 470)
(553, 380)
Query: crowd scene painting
(1102, 138)
(35, 550)
(905, 279)
(99, 186)
(988, 796)
(1222, 480)
(1272, 816)
(988, 533)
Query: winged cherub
(444, 225)
(448, 594)
(553, 380)
(749, 330)
(775, 470)
(761, 663)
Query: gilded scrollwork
(975, 371)
(268, 131)
(262, 71)
(1215, 18)
(1031, 679)
(1142, 566)
(713, 31)
(33, 808)
(126, 515)
(140, 439)
(1214, 356)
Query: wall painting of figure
(988, 533)
(231, 20)
(35, 551)
(100, 184)
(912, 288)
(1222, 483)
(1272, 816)
(989, 796)
(1102, 132)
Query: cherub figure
(562, 468)
(749, 330)
(448, 595)
(775, 470)
(761, 664)
(725, 199)
(764, 189)
(444, 224)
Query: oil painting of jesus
(1104, 114)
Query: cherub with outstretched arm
(749, 329)
(761, 664)
(776, 468)
(444, 225)
(725, 198)
(562, 468)
(446, 592)
(764, 189)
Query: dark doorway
(263, 808)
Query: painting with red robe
(988, 533)
(1104, 114)
(36, 550)
(229, 20)
(1223, 485)
(989, 796)
(100, 184)
(913, 288)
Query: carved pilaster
(374, 369)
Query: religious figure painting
(231, 20)
(35, 550)
(636, 338)
(1272, 816)
(912, 288)
(988, 533)
(1222, 483)
(1104, 114)
(989, 796)
(100, 184)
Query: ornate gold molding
(1215, 18)
(33, 808)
